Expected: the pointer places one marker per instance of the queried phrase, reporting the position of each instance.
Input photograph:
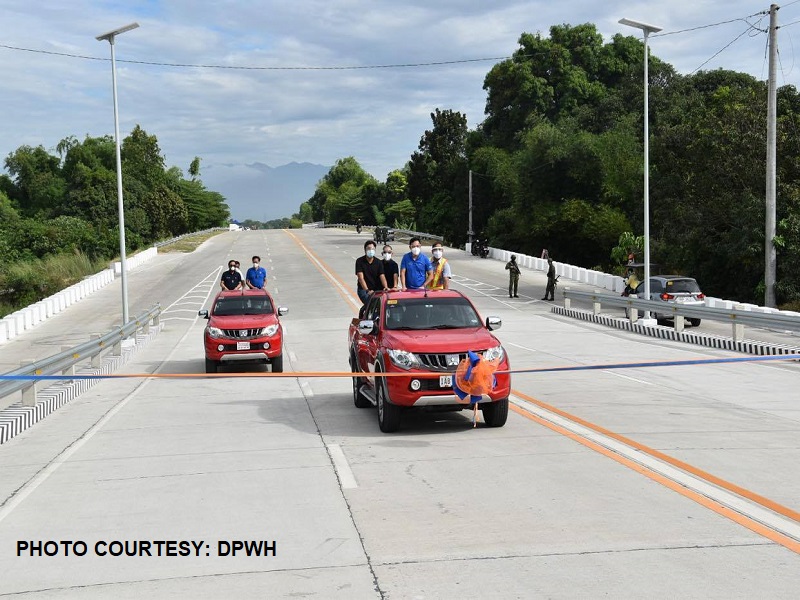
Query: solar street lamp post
(647, 30)
(110, 36)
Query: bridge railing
(738, 315)
(64, 362)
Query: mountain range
(262, 193)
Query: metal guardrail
(737, 317)
(64, 362)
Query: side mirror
(282, 310)
(493, 323)
(202, 313)
(366, 327)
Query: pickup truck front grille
(241, 334)
(441, 362)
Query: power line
(725, 47)
(763, 12)
(255, 68)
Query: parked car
(243, 326)
(674, 289)
(419, 334)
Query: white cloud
(277, 116)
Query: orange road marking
(718, 508)
(731, 487)
(326, 271)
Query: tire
(277, 364)
(695, 322)
(358, 399)
(388, 413)
(211, 366)
(495, 414)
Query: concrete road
(658, 483)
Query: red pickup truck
(243, 326)
(423, 335)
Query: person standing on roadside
(551, 281)
(231, 279)
(416, 270)
(513, 276)
(441, 269)
(369, 271)
(256, 276)
(390, 268)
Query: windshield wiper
(447, 327)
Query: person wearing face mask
(231, 279)
(390, 268)
(256, 276)
(416, 270)
(369, 271)
(441, 269)
(513, 276)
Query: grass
(25, 282)
(190, 242)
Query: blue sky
(232, 117)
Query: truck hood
(242, 321)
(450, 341)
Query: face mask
(415, 251)
(437, 254)
(387, 255)
(370, 253)
(232, 268)
(255, 265)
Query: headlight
(271, 330)
(403, 359)
(215, 332)
(494, 353)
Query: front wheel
(694, 322)
(277, 364)
(388, 413)
(495, 414)
(211, 366)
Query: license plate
(243, 345)
(445, 381)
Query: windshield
(242, 306)
(431, 313)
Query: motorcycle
(476, 244)
(484, 249)
(358, 228)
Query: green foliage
(24, 282)
(65, 208)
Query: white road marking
(733, 501)
(343, 470)
(628, 377)
(523, 347)
(28, 488)
(292, 356)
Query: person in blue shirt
(256, 275)
(416, 270)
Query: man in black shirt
(232, 278)
(369, 271)
(390, 268)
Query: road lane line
(19, 495)
(338, 284)
(343, 470)
(719, 482)
(744, 520)
(628, 377)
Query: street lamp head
(111, 34)
(648, 29)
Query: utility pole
(770, 256)
(470, 233)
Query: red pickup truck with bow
(424, 336)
